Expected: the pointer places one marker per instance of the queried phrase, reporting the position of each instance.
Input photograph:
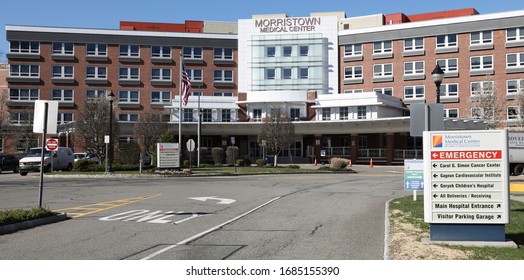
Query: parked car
(61, 159)
(87, 156)
(8, 163)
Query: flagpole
(180, 114)
(199, 131)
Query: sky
(107, 14)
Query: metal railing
(372, 153)
(408, 154)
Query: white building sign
(467, 177)
(168, 155)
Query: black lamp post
(437, 75)
(111, 98)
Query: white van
(63, 159)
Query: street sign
(168, 155)
(51, 144)
(466, 175)
(190, 145)
(425, 117)
(413, 175)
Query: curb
(387, 229)
(33, 223)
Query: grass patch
(412, 212)
(20, 215)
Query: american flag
(186, 85)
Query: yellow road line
(516, 187)
(99, 207)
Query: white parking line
(183, 242)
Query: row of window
(67, 95)
(477, 39)
(294, 114)
(513, 87)
(124, 73)
(344, 113)
(514, 64)
(287, 51)
(165, 52)
(287, 73)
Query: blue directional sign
(413, 175)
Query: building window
(196, 93)
(21, 118)
(344, 113)
(448, 65)
(413, 92)
(24, 70)
(515, 34)
(63, 94)
(223, 75)
(512, 113)
(94, 94)
(162, 74)
(195, 75)
(129, 51)
(481, 62)
(413, 44)
(192, 53)
(270, 51)
(386, 91)
(514, 60)
(128, 96)
(24, 47)
(382, 47)
(451, 113)
(96, 49)
(226, 115)
(446, 41)
(24, 94)
(413, 67)
(128, 117)
(161, 52)
(295, 114)
(188, 115)
(207, 115)
(160, 97)
(287, 51)
(485, 87)
(361, 112)
(482, 37)
(303, 73)
(129, 73)
(61, 71)
(514, 87)
(287, 73)
(382, 70)
(63, 48)
(350, 91)
(270, 73)
(304, 50)
(223, 53)
(449, 90)
(326, 114)
(96, 72)
(353, 72)
(257, 115)
(353, 50)
(64, 118)
(223, 94)
(207, 142)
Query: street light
(437, 75)
(111, 98)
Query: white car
(87, 156)
(60, 159)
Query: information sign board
(413, 175)
(466, 175)
(168, 155)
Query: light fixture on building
(437, 75)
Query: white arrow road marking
(221, 200)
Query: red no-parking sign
(51, 144)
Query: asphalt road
(264, 217)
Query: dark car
(8, 163)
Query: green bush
(324, 168)
(186, 163)
(217, 154)
(260, 162)
(294, 166)
(339, 163)
(15, 216)
(241, 162)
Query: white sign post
(467, 183)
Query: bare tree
(148, 131)
(487, 104)
(277, 132)
(517, 110)
(92, 123)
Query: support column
(354, 148)
(318, 147)
(390, 148)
